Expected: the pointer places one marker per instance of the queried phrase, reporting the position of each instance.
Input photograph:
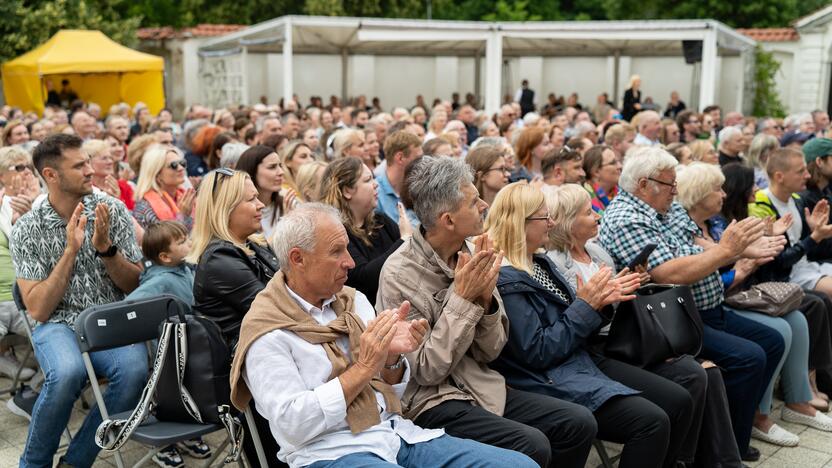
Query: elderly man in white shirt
(326, 372)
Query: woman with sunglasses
(159, 192)
(233, 262)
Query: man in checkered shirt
(644, 213)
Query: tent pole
(345, 86)
(493, 71)
(707, 83)
(478, 78)
(287, 61)
(616, 72)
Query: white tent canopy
(489, 41)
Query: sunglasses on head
(177, 164)
(222, 171)
(22, 167)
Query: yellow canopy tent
(98, 69)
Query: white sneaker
(9, 365)
(776, 435)
(820, 421)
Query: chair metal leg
(217, 452)
(255, 437)
(99, 399)
(606, 461)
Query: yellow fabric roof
(99, 70)
(79, 51)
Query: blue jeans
(748, 354)
(444, 451)
(57, 352)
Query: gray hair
(434, 186)
(231, 153)
(728, 133)
(297, 229)
(261, 122)
(489, 141)
(761, 146)
(644, 162)
(696, 181)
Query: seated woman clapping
(550, 324)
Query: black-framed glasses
(220, 171)
(177, 164)
(672, 185)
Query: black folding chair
(121, 324)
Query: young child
(165, 246)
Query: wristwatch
(111, 252)
(398, 363)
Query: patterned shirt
(542, 276)
(39, 240)
(630, 224)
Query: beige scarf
(275, 309)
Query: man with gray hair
(452, 284)
(327, 372)
(267, 126)
(732, 144)
(649, 127)
(643, 213)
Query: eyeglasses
(693, 121)
(22, 167)
(501, 169)
(672, 185)
(221, 171)
(177, 164)
(548, 217)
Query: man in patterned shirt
(645, 213)
(76, 250)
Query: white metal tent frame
(491, 41)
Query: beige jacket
(452, 363)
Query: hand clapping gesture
(818, 221)
(476, 277)
(101, 241)
(602, 289)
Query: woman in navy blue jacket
(549, 328)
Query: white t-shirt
(586, 269)
(796, 229)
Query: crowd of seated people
(433, 286)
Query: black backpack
(189, 383)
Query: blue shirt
(388, 201)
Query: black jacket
(808, 199)
(370, 258)
(227, 281)
(628, 109)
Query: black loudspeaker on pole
(692, 51)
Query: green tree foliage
(25, 25)
(766, 98)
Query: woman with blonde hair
(349, 186)
(159, 192)
(437, 122)
(632, 99)
(762, 145)
(15, 133)
(105, 175)
(703, 151)
(292, 157)
(309, 179)
(348, 143)
(549, 329)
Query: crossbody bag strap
(112, 434)
(181, 364)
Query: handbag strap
(112, 434)
(124, 428)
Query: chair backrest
(125, 322)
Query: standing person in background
(632, 99)
(525, 97)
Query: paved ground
(815, 449)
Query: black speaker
(692, 51)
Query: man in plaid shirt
(644, 213)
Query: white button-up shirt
(289, 379)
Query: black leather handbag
(662, 322)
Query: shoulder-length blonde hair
(214, 209)
(506, 221)
(286, 155)
(343, 140)
(307, 180)
(339, 175)
(564, 204)
(700, 148)
(153, 162)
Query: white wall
(660, 76)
